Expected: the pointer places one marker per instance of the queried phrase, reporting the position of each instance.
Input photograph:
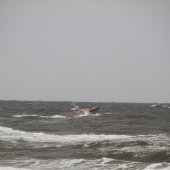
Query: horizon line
(37, 100)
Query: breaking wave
(9, 134)
(83, 164)
(34, 115)
(139, 148)
(56, 116)
(11, 168)
(160, 106)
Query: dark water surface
(40, 135)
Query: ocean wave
(57, 116)
(108, 113)
(34, 115)
(155, 141)
(159, 106)
(9, 134)
(11, 168)
(25, 115)
(83, 164)
(158, 166)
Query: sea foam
(34, 115)
(9, 134)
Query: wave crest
(34, 115)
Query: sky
(85, 50)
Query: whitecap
(154, 105)
(11, 168)
(158, 166)
(106, 160)
(96, 114)
(25, 115)
(108, 113)
(83, 164)
(34, 115)
(9, 134)
(57, 116)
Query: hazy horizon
(94, 51)
(75, 102)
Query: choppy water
(40, 135)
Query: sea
(40, 135)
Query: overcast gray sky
(85, 50)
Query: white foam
(96, 114)
(9, 134)
(55, 116)
(34, 115)
(154, 105)
(108, 113)
(10, 168)
(158, 166)
(159, 105)
(124, 166)
(83, 164)
(69, 163)
(24, 115)
(60, 164)
(86, 145)
(106, 160)
(167, 168)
